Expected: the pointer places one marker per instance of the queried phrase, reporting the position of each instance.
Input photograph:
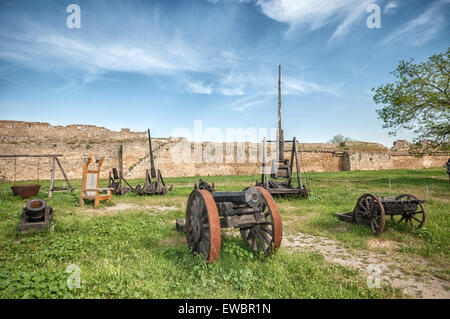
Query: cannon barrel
(236, 198)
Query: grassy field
(136, 252)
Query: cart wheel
(370, 211)
(203, 225)
(414, 215)
(265, 237)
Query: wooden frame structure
(282, 168)
(55, 160)
(90, 181)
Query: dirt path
(120, 207)
(411, 275)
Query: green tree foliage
(339, 139)
(418, 100)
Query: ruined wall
(78, 141)
(38, 132)
(393, 160)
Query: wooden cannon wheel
(370, 211)
(414, 215)
(203, 225)
(265, 237)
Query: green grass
(138, 254)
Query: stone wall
(176, 156)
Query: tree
(418, 101)
(339, 139)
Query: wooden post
(15, 163)
(280, 130)
(291, 164)
(52, 180)
(299, 176)
(121, 159)
(64, 174)
(264, 168)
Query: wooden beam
(52, 180)
(64, 174)
(30, 155)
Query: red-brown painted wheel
(203, 225)
(265, 237)
(370, 211)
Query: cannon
(35, 215)
(404, 209)
(280, 182)
(253, 211)
(205, 185)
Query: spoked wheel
(265, 237)
(370, 211)
(203, 225)
(414, 214)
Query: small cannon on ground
(405, 209)
(253, 211)
(35, 215)
(205, 185)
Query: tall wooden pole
(280, 130)
(152, 164)
(121, 159)
(52, 178)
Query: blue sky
(164, 64)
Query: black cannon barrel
(236, 198)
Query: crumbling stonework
(177, 156)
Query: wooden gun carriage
(405, 209)
(253, 211)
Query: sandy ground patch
(404, 272)
(119, 207)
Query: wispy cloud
(296, 86)
(316, 14)
(390, 6)
(420, 30)
(242, 104)
(353, 16)
(198, 87)
(57, 50)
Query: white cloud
(246, 102)
(423, 28)
(350, 19)
(316, 14)
(113, 56)
(296, 86)
(198, 87)
(232, 91)
(390, 7)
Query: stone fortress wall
(178, 157)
